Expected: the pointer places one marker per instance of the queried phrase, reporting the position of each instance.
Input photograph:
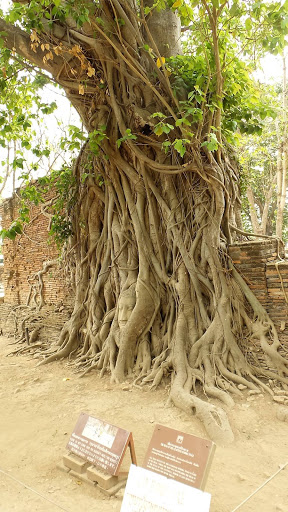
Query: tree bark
(253, 213)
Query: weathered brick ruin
(24, 258)
(261, 263)
(265, 270)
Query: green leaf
(161, 127)
(234, 9)
(181, 121)
(248, 24)
(158, 129)
(25, 144)
(166, 145)
(212, 144)
(18, 162)
(128, 136)
(26, 125)
(180, 147)
(158, 114)
(167, 128)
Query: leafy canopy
(222, 44)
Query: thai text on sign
(100, 443)
(182, 457)
(149, 492)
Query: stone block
(104, 480)
(75, 463)
(82, 477)
(62, 468)
(113, 490)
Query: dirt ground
(39, 407)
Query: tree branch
(19, 41)
(222, 8)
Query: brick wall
(266, 273)
(24, 257)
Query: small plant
(128, 136)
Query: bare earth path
(40, 406)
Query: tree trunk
(157, 297)
(265, 213)
(252, 209)
(282, 161)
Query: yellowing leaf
(91, 71)
(45, 47)
(76, 50)
(34, 47)
(83, 62)
(160, 62)
(57, 50)
(34, 37)
(81, 89)
(49, 56)
(158, 130)
(176, 4)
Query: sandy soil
(39, 409)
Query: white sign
(149, 492)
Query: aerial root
(227, 386)
(215, 421)
(26, 349)
(235, 377)
(66, 351)
(55, 357)
(223, 396)
(88, 370)
(214, 418)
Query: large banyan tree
(160, 88)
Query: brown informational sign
(100, 443)
(179, 456)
